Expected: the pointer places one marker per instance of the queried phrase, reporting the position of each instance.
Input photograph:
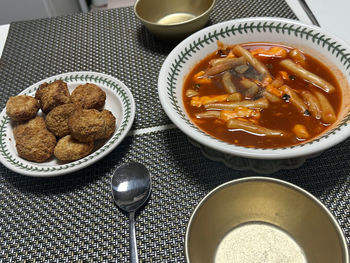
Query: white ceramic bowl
(328, 48)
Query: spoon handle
(133, 246)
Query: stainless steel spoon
(131, 187)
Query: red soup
(261, 95)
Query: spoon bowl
(131, 187)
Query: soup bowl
(173, 20)
(314, 41)
(262, 219)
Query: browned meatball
(69, 149)
(33, 141)
(53, 94)
(22, 107)
(109, 125)
(84, 125)
(57, 119)
(89, 96)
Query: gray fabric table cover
(72, 218)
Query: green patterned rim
(191, 50)
(120, 93)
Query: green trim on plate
(70, 78)
(246, 28)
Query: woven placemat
(110, 41)
(72, 218)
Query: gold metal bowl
(261, 219)
(170, 19)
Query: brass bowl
(170, 19)
(264, 219)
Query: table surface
(329, 17)
(72, 217)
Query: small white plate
(119, 101)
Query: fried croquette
(22, 107)
(52, 95)
(84, 125)
(34, 141)
(109, 125)
(69, 149)
(89, 96)
(88, 125)
(57, 119)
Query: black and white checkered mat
(72, 218)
